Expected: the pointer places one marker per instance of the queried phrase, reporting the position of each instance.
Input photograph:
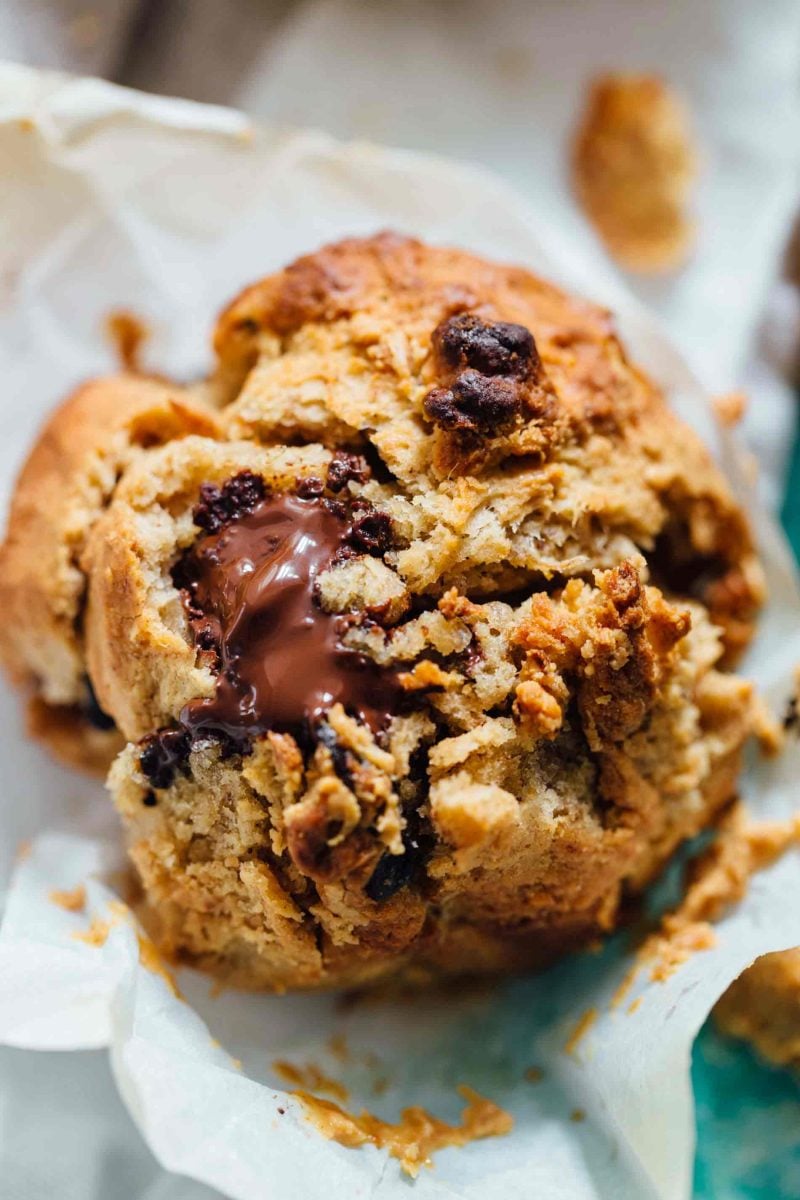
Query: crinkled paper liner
(116, 199)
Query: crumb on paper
(729, 408)
(791, 718)
(533, 1075)
(633, 166)
(26, 125)
(309, 1078)
(23, 851)
(634, 1005)
(416, 1136)
(97, 933)
(72, 899)
(577, 1115)
(581, 1029)
(127, 333)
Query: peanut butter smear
(71, 900)
(416, 1136)
(721, 879)
(309, 1078)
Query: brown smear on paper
(72, 900)
(581, 1029)
(416, 1136)
(96, 934)
(127, 334)
(151, 959)
(309, 1078)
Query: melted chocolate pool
(250, 595)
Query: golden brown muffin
(63, 487)
(420, 658)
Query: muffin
(421, 650)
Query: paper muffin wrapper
(167, 208)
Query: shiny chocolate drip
(249, 591)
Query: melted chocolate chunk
(344, 467)
(282, 664)
(341, 758)
(475, 404)
(149, 799)
(490, 347)
(218, 506)
(94, 714)
(163, 754)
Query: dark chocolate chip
(475, 404)
(339, 756)
(490, 347)
(396, 871)
(93, 712)
(371, 533)
(149, 800)
(163, 754)
(791, 718)
(344, 467)
(220, 505)
(393, 872)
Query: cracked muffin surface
(421, 649)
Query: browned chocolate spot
(490, 347)
(163, 754)
(475, 404)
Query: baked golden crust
(562, 575)
(63, 487)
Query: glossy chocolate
(249, 590)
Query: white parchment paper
(111, 198)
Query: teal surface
(748, 1114)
